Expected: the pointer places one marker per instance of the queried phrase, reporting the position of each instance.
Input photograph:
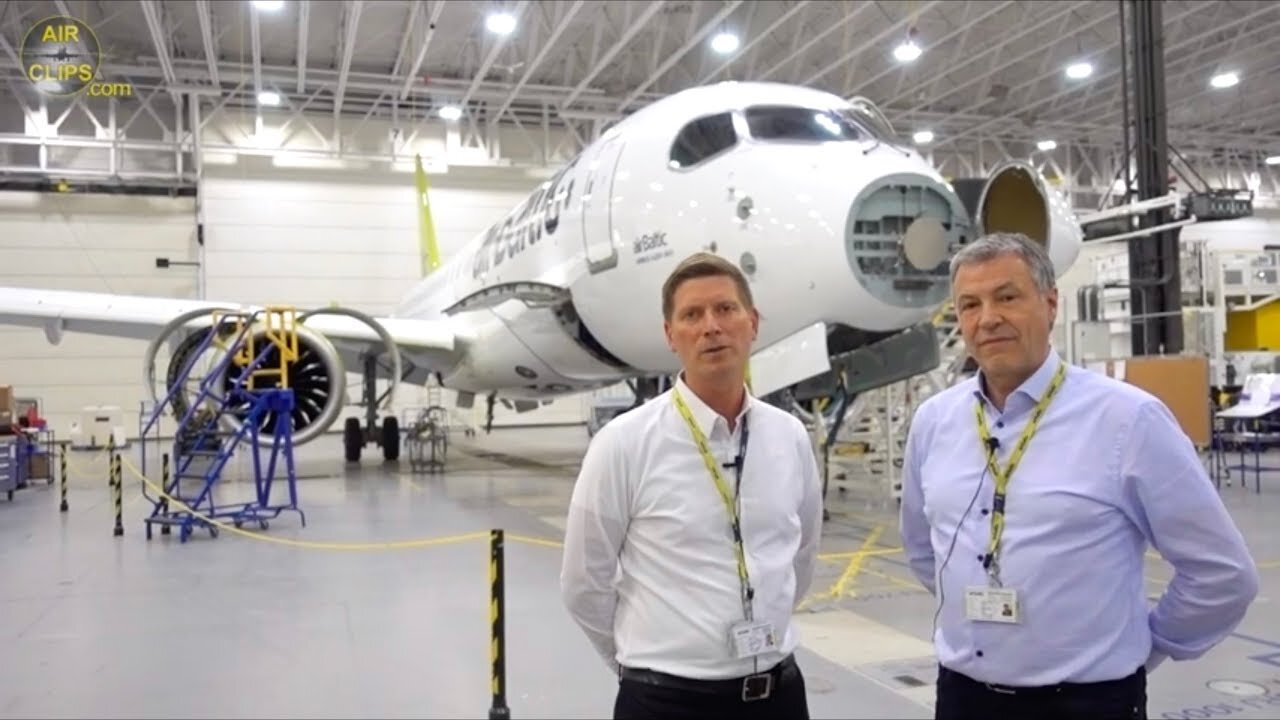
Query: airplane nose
(901, 233)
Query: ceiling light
(907, 51)
(450, 112)
(724, 43)
(268, 5)
(1079, 70)
(269, 97)
(1046, 145)
(1273, 160)
(923, 137)
(1225, 80)
(501, 23)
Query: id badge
(752, 638)
(988, 604)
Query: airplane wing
(143, 318)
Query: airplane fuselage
(611, 225)
(809, 194)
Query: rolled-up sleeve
(1172, 499)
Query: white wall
(285, 236)
(95, 243)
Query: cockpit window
(702, 139)
(802, 124)
(783, 122)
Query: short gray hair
(989, 247)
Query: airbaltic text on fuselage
(525, 225)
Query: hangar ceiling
(988, 69)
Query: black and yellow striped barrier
(498, 709)
(117, 486)
(62, 473)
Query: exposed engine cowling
(317, 378)
(1015, 197)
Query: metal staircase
(203, 444)
(866, 452)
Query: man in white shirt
(695, 623)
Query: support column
(1154, 278)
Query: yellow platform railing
(279, 328)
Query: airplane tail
(426, 227)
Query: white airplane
(843, 230)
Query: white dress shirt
(650, 572)
(1107, 472)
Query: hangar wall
(91, 243)
(280, 235)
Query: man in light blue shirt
(1047, 612)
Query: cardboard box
(38, 467)
(6, 398)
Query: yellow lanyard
(1002, 476)
(730, 505)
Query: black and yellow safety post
(111, 464)
(497, 640)
(62, 473)
(164, 483)
(118, 471)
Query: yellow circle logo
(60, 55)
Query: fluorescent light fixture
(269, 98)
(923, 137)
(500, 23)
(1079, 70)
(1273, 160)
(907, 52)
(724, 43)
(1225, 80)
(268, 5)
(1046, 145)
(450, 112)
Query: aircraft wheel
(391, 438)
(352, 439)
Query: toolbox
(9, 466)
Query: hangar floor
(310, 623)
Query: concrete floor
(335, 620)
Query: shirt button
(999, 423)
(985, 511)
(979, 653)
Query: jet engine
(317, 377)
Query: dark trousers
(647, 694)
(961, 698)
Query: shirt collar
(1034, 387)
(707, 418)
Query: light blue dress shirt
(1108, 471)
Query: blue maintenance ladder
(202, 447)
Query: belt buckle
(1001, 689)
(757, 687)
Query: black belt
(1037, 690)
(750, 687)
